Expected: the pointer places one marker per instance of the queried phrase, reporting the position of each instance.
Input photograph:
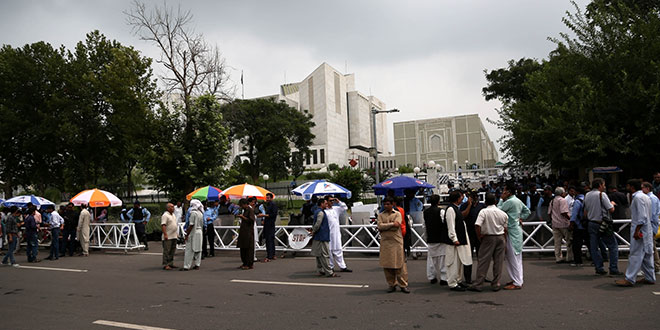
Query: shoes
(576, 265)
(496, 288)
(405, 290)
(15, 265)
(210, 256)
(434, 281)
(645, 281)
(512, 287)
(601, 272)
(458, 288)
(346, 270)
(615, 272)
(183, 269)
(333, 275)
(391, 289)
(474, 288)
(167, 268)
(196, 268)
(623, 283)
(266, 260)
(463, 285)
(173, 267)
(49, 258)
(443, 283)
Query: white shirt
(492, 220)
(56, 220)
(178, 213)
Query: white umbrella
(96, 198)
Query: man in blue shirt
(647, 188)
(579, 227)
(210, 214)
(140, 217)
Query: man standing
(656, 184)
(321, 241)
(647, 188)
(435, 231)
(210, 214)
(474, 207)
(56, 224)
(491, 229)
(392, 257)
(12, 223)
(270, 217)
(246, 234)
(641, 239)
(70, 229)
(596, 207)
(178, 212)
(168, 224)
(140, 217)
(458, 251)
(558, 213)
(579, 227)
(516, 212)
(84, 220)
(194, 236)
(335, 208)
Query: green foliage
(297, 164)
(350, 179)
(189, 150)
(595, 100)
(405, 169)
(267, 130)
(333, 167)
(318, 176)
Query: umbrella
(22, 201)
(96, 198)
(321, 187)
(245, 190)
(399, 184)
(209, 193)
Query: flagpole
(242, 87)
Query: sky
(426, 58)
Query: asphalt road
(132, 288)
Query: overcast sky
(425, 58)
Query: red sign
(352, 162)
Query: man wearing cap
(140, 217)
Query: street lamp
(416, 170)
(431, 164)
(374, 112)
(266, 177)
(455, 165)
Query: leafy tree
(297, 164)
(590, 103)
(178, 163)
(351, 179)
(333, 167)
(267, 130)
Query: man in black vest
(140, 217)
(435, 231)
(458, 253)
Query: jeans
(32, 246)
(269, 235)
(54, 243)
(610, 242)
(10, 251)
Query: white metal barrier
(537, 237)
(121, 236)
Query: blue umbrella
(321, 187)
(22, 201)
(399, 184)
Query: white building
(342, 116)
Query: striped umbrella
(321, 187)
(245, 190)
(22, 201)
(96, 198)
(208, 193)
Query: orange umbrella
(96, 198)
(246, 190)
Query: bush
(333, 167)
(318, 176)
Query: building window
(435, 143)
(315, 157)
(322, 152)
(307, 158)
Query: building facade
(452, 142)
(342, 116)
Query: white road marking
(359, 286)
(57, 269)
(656, 293)
(127, 325)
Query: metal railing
(537, 237)
(120, 236)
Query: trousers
(492, 248)
(563, 233)
(397, 276)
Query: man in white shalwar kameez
(641, 238)
(194, 236)
(333, 213)
(459, 252)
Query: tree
(268, 130)
(177, 166)
(351, 179)
(591, 101)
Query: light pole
(266, 177)
(416, 170)
(374, 112)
